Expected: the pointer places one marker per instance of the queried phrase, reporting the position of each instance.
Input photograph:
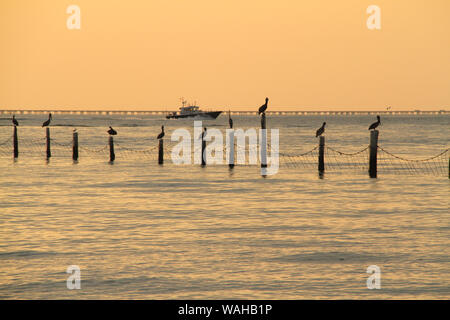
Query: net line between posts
(438, 165)
(334, 160)
(339, 160)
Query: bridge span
(269, 113)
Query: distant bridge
(278, 113)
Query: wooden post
(75, 147)
(49, 153)
(16, 144)
(161, 152)
(231, 149)
(263, 145)
(112, 155)
(373, 153)
(321, 155)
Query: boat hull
(205, 115)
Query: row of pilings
(373, 148)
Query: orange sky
(145, 54)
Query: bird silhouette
(321, 130)
(161, 135)
(14, 121)
(374, 125)
(230, 121)
(263, 108)
(203, 135)
(112, 132)
(47, 123)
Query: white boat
(192, 111)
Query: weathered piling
(321, 155)
(47, 132)
(373, 148)
(112, 155)
(230, 156)
(16, 143)
(75, 146)
(263, 145)
(161, 151)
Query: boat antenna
(183, 101)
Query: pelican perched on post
(230, 121)
(161, 135)
(14, 121)
(263, 108)
(203, 135)
(321, 130)
(111, 131)
(47, 123)
(374, 125)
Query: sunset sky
(145, 54)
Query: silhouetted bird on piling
(374, 125)
(263, 108)
(112, 132)
(161, 135)
(14, 121)
(203, 135)
(321, 130)
(47, 123)
(230, 121)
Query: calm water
(142, 231)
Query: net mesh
(437, 165)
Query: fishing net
(334, 160)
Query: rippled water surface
(142, 231)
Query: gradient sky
(145, 54)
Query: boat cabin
(189, 109)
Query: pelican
(203, 135)
(263, 107)
(111, 131)
(321, 130)
(46, 123)
(230, 121)
(14, 121)
(374, 125)
(161, 135)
